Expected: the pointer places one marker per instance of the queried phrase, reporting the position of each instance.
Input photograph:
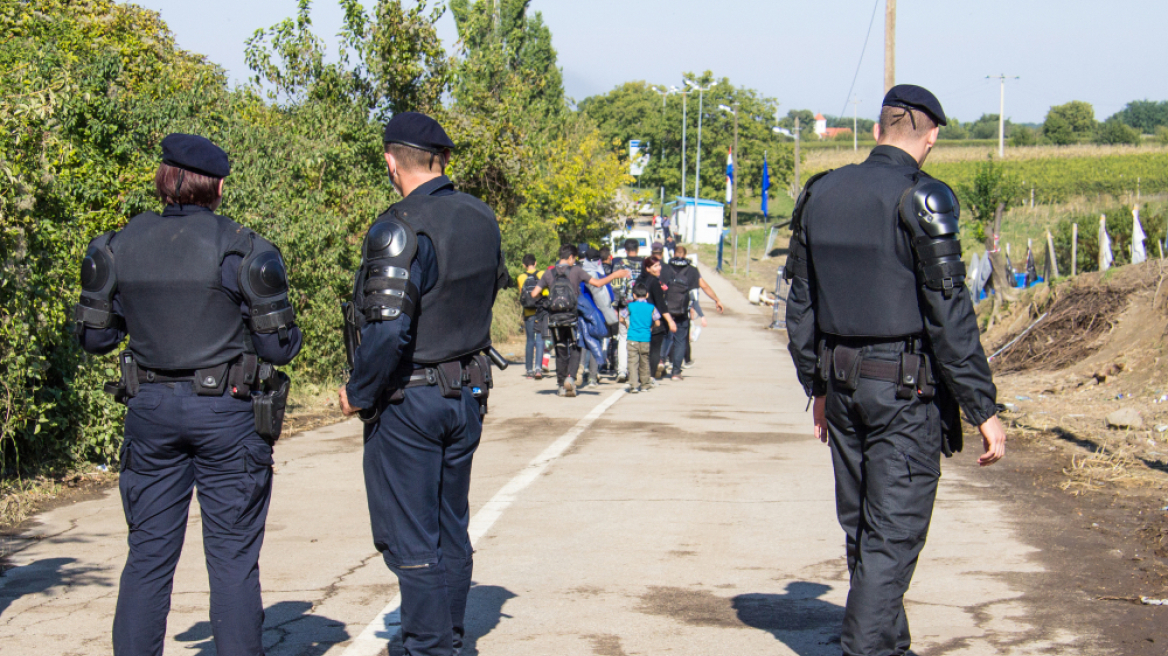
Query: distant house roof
(831, 132)
(819, 117)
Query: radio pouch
(450, 379)
(241, 377)
(907, 376)
(845, 367)
(823, 364)
(269, 406)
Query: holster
(479, 379)
(845, 367)
(127, 386)
(270, 404)
(450, 379)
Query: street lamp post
(734, 184)
(683, 93)
(698, 175)
(664, 92)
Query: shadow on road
(289, 628)
(43, 575)
(808, 625)
(484, 611)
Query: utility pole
(1001, 115)
(683, 93)
(798, 184)
(889, 44)
(855, 123)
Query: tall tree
(1071, 123)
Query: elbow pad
(384, 290)
(99, 281)
(930, 212)
(263, 281)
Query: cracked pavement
(695, 519)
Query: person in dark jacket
(431, 267)
(884, 338)
(650, 278)
(204, 302)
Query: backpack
(563, 297)
(677, 291)
(525, 298)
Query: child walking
(640, 317)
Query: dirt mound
(1074, 326)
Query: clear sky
(803, 54)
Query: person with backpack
(563, 286)
(650, 270)
(534, 318)
(682, 281)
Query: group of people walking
(632, 318)
(881, 331)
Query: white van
(617, 242)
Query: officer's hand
(347, 409)
(993, 437)
(820, 415)
(704, 324)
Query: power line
(861, 62)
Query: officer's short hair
(631, 245)
(529, 260)
(177, 186)
(417, 159)
(904, 123)
(568, 250)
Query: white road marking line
(373, 640)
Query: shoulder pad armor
(99, 282)
(384, 288)
(932, 204)
(929, 211)
(263, 281)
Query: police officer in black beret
(204, 301)
(884, 338)
(431, 266)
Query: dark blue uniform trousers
(176, 440)
(886, 453)
(417, 477)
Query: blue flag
(766, 184)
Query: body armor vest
(170, 287)
(861, 259)
(454, 317)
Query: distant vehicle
(618, 237)
(646, 210)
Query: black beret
(417, 130)
(195, 154)
(910, 96)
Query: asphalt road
(694, 520)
